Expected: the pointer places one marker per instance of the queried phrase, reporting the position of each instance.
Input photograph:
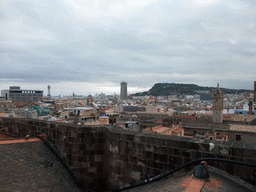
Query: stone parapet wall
(134, 157)
(109, 157)
(81, 146)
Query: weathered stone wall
(246, 137)
(82, 146)
(247, 132)
(111, 156)
(135, 157)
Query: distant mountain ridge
(166, 89)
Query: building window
(238, 137)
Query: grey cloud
(138, 59)
(247, 49)
(49, 42)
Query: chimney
(250, 107)
(201, 171)
(254, 91)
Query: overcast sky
(90, 46)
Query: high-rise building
(217, 105)
(123, 91)
(14, 93)
(49, 91)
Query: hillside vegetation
(188, 89)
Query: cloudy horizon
(89, 47)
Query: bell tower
(217, 105)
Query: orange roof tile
(160, 128)
(178, 130)
(184, 116)
(4, 142)
(160, 121)
(196, 185)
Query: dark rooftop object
(201, 171)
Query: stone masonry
(109, 157)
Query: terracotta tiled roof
(23, 104)
(178, 130)
(195, 185)
(159, 121)
(185, 116)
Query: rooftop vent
(201, 171)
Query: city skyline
(115, 90)
(90, 47)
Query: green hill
(187, 89)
